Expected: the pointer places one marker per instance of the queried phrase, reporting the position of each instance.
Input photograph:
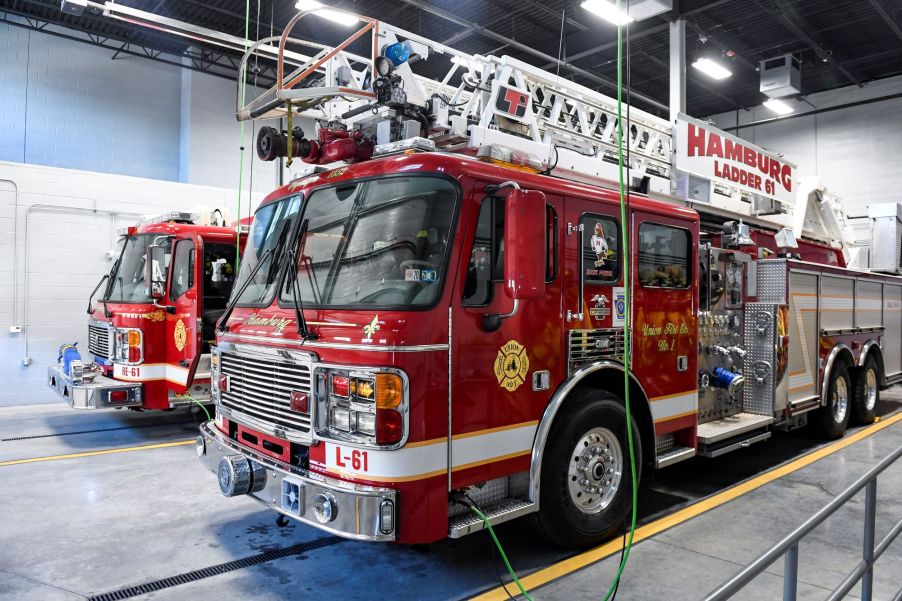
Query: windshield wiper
(269, 254)
(222, 327)
(301, 323)
(109, 283)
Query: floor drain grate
(35, 436)
(231, 566)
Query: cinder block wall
(62, 254)
(130, 136)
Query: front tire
(833, 418)
(866, 392)
(586, 490)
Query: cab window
(601, 249)
(182, 269)
(663, 256)
(486, 264)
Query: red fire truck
(420, 329)
(149, 333)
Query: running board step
(674, 455)
(728, 427)
(504, 511)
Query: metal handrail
(789, 545)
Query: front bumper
(358, 512)
(95, 394)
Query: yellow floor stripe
(148, 447)
(560, 569)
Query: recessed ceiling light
(778, 106)
(712, 68)
(336, 16)
(607, 11)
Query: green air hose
(243, 75)
(199, 404)
(507, 564)
(626, 348)
(626, 312)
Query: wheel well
(840, 354)
(875, 351)
(612, 381)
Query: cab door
(494, 391)
(594, 296)
(665, 309)
(183, 328)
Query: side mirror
(155, 271)
(524, 244)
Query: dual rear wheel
(849, 397)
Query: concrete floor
(81, 527)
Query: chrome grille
(261, 387)
(99, 342)
(585, 346)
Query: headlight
(361, 407)
(129, 346)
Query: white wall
(66, 256)
(856, 152)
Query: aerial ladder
(499, 108)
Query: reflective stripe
(672, 406)
(417, 461)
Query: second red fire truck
(152, 323)
(420, 331)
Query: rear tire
(833, 418)
(586, 490)
(866, 392)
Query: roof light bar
(776, 105)
(607, 11)
(336, 16)
(712, 68)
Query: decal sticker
(370, 329)
(180, 335)
(599, 245)
(412, 275)
(428, 275)
(155, 316)
(619, 307)
(602, 306)
(511, 365)
(337, 172)
(512, 101)
(277, 323)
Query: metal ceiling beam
(704, 86)
(553, 13)
(483, 31)
(200, 62)
(780, 14)
(887, 18)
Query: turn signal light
(118, 396)
(388, 391)
(134, 338)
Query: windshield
(271, 226)
(127, 283)
(378, 242)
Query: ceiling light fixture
(336, 16)
(778, 106)
(607, 11)
(711, 68)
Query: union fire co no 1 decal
(511, 365)
(180, 335)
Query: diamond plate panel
(771, 281)
(759, 336)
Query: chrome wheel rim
(596, 471)
(840, 400)
(870, 389)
